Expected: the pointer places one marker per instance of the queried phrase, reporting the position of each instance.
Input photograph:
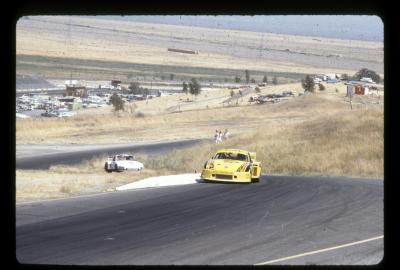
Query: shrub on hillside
(308, 84)
(117, 102)
(139, 114)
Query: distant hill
(355, 27)
(58, 46)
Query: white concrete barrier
(160, 181)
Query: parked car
(287, 93)
(366, 79)
(254, 98)
(63, 113)
(122, 162)
(48, 114)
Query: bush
(194, 87)
(321, 87)
(134, 88)
(308, 84)
(247, 74)
(117, 102)
(139, 114)
(184, 87)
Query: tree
(308, 84)
(125, 90)
(145, 91)
(194, 87)
(247, 76)
(117, 102)
(134, 88)
(274, 80)
(265, 79)
(364, 72)
(237, 79)
(185, 88)
(171, 77)
(253, 80)
(321, 87)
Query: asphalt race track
(44, 161)
(322, 220)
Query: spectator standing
(216, 136)
(219, 137)
(226, 134)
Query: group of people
(220, 136)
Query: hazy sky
(358, 27)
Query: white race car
(122, 162)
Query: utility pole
(261, 45)
(350, 94)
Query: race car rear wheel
(106, 168)
(254, 180)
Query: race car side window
(241, 157)
(220, 156)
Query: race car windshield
(234, 156)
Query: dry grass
(63, 181)
(309, 135)
(194, 120)
(226, 49)
(315, 134)
(338, 144)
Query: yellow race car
(232, 165)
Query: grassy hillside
(88, 69)
(338, 144)
(63, 41)
(308, 135)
